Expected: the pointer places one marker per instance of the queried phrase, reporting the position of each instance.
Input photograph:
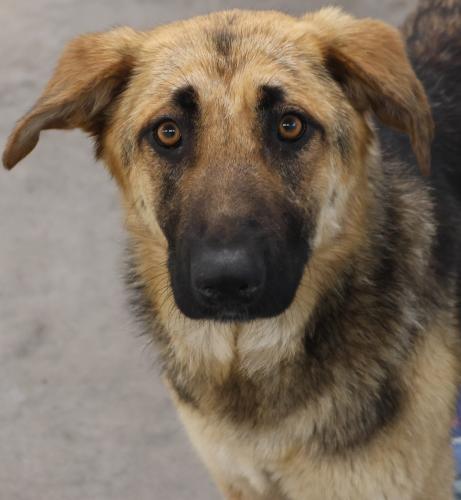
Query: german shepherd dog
(299, 273)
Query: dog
(292, 189)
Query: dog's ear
(92, 69)
(368, 59)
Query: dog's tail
(433, 36)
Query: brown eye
(291, 127)
(168, 134)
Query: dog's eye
(168, 134)
(291, 127)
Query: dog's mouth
(227, 315)
(238, 282)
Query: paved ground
(82, 412)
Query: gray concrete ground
(83, 414)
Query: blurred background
(83, 414)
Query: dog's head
(240, 141)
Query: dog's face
(240, 142)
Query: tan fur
(114, 84)
(392, 469)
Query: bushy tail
(433, 35)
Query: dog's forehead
(229, 56)
(231, 34)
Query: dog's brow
(270, 95)
(186, 98)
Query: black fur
(223, 41)
(434, 48)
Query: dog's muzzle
(240, 276)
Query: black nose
(227, 276)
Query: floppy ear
(368, 59)
(92, 69)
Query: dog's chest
(246, 462)
(261, 465)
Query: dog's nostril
(225, 287)
(249, 291)
(208, 291)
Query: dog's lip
(224, 314)
(236, 314)
(232, 316)
(228, 315)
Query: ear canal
(368, 59)
(89, 73)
